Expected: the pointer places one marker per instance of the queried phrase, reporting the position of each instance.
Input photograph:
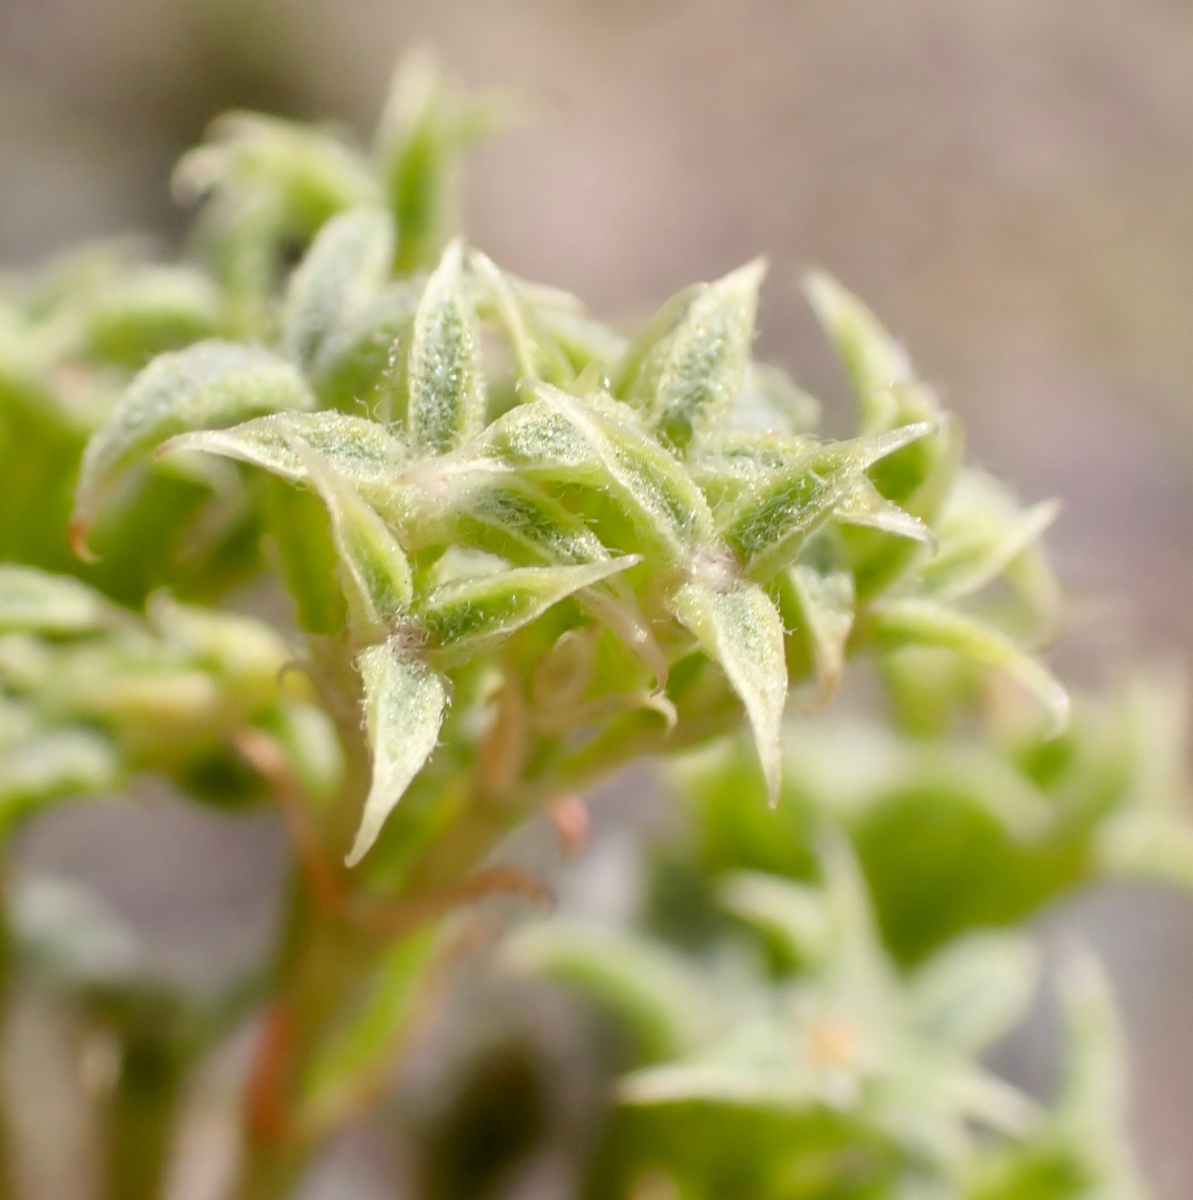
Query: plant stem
(141, 1121)
(323, 962)
(7, 1186)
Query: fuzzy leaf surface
(696, 373)
(363, 453)
(210, 384)
(461, 617)
(769, 524)
(373, 569)
(866, 506)
(347, 264)
(497, 512)
(597, 442)
(446, 374)
(741, 629)
(404, 704)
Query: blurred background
(1009, 184)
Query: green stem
(141, 1121)
(322, 961)
(321, 969)
(7, 1186)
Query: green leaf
(926, 623)
(373, 570)
(311, 172)
(741, 629)
(729, 462)
(494, 511)
(826, 609)
(694, 376)
(866, 506)
(875, 362)
(1093, 1098)
(759, 1065)
(446, 375)
(535, 353)
(298, 524)
(346, 266)
(362, 365)
(586, 341)
(647, 986)
(33, 601)
(266, 185)
(207, 385)
(624, 380)
(415, 153)
(793, 912)
(461, 617)
(1083, 1149)
(59, 763)
(771, 400)
(974, 990)
(147, 312)
(596, 442)
(245, 655)
(404, 704)
(363, 453)
(856, 959)
(423, 130)
(982, 532)
(769, 525)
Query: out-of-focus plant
(512, 550)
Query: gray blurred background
(1009, 183)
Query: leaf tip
(361, 845)
(76, 532)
